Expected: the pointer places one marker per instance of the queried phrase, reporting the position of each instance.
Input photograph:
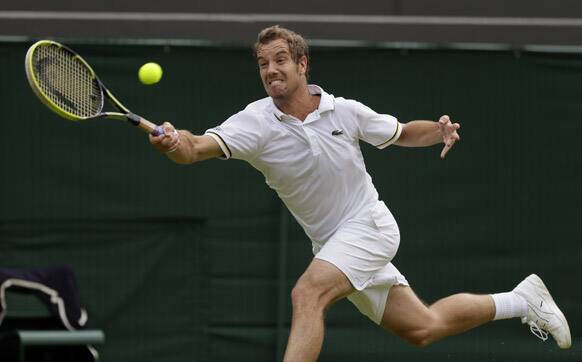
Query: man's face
(280, 75)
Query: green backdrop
(196, 263)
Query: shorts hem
(399, 280)
(357, 286)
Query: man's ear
(302, 65)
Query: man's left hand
(448, 130)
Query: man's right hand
(167, 142)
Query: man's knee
(306, 294)
(422, 334)
(409, 318)
(312, 294)
(319, 287)
(420, 337)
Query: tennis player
(305, 142)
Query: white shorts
(362, 249)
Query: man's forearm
(192, 148)
(420, 134)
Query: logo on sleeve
(337, 132)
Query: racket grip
(145, 125)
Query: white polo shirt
(315, 166)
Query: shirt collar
(326, 102)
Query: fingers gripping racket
(67, 85)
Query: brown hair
(297, 44)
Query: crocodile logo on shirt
(337, 132)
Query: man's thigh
(371, 301)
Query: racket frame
(127, 115)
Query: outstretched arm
(428, 133)
(183, 147)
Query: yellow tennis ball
(150, 73)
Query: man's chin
(276, 93)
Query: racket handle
(145, 125)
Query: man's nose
(271, 68)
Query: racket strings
(67, 81)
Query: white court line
(292, 18)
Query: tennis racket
(68, 86)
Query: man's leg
(408, 317)
(320, 286)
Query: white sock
(509, 305)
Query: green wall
(195, 263)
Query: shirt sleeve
(379, 130)
(239, 136)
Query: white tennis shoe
(543, 315)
